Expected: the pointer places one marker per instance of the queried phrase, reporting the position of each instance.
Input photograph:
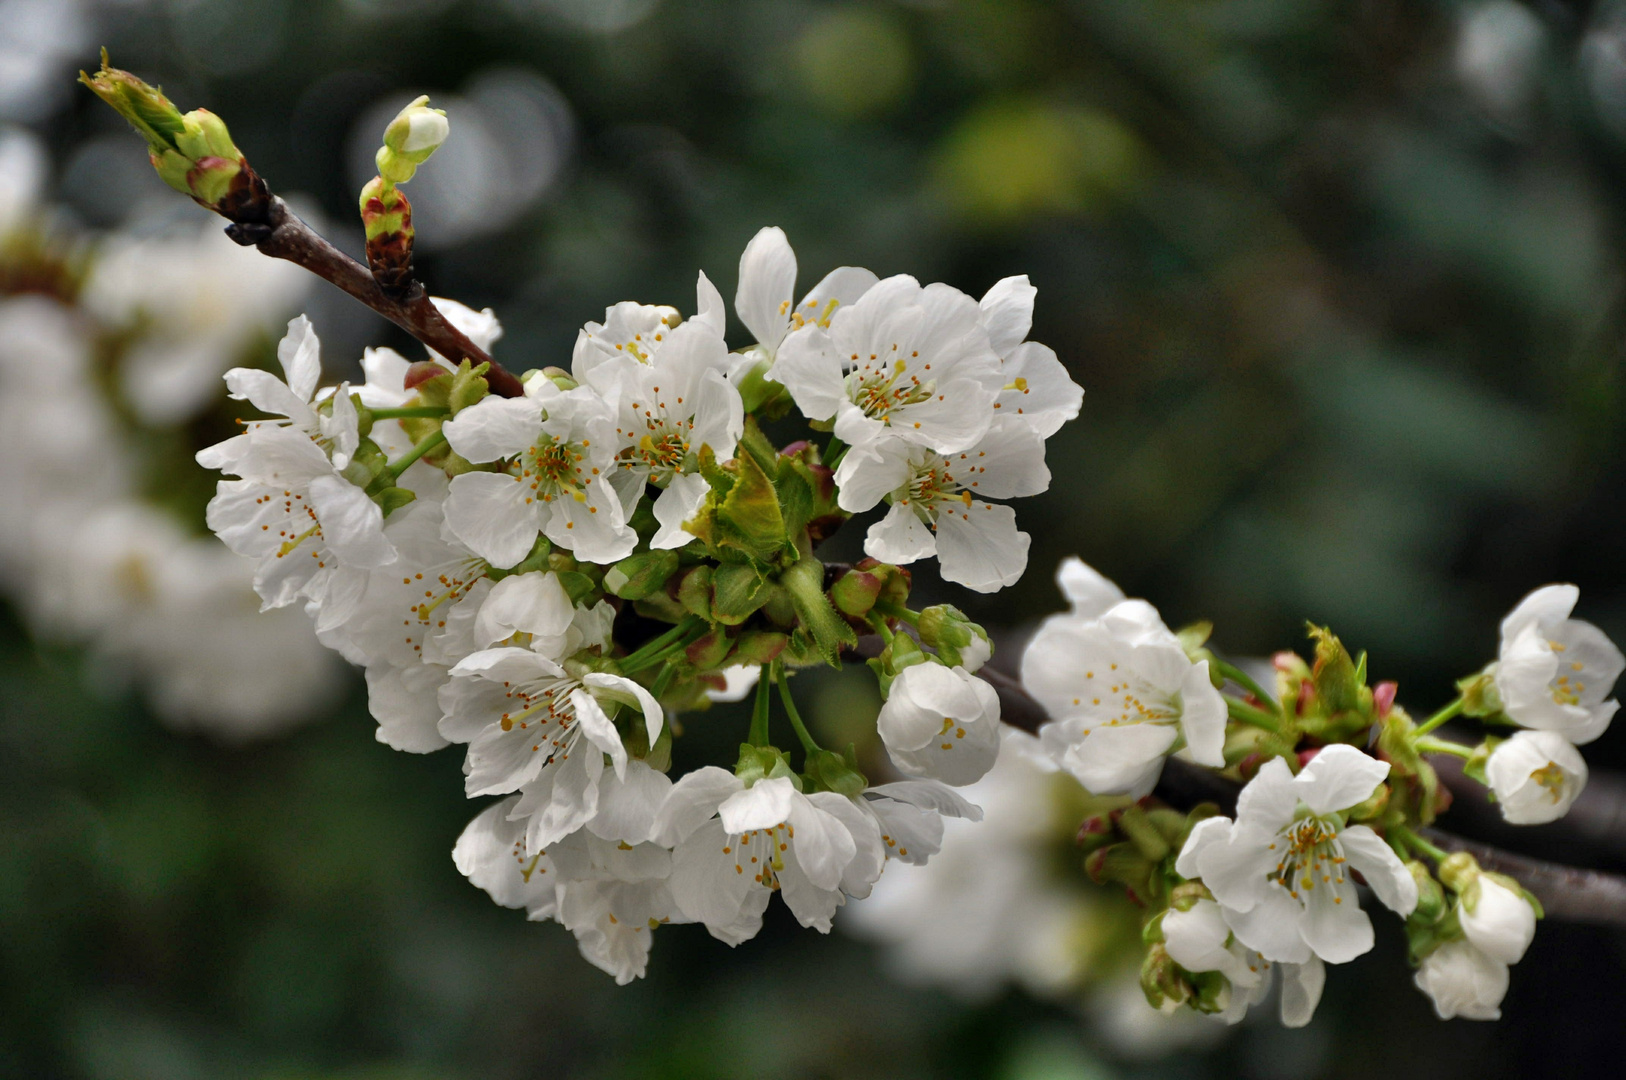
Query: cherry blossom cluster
(111, 350)
(548, 579)
(1337, 790)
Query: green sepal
(764, 763)
(392, 499)
(1337, 687)
(901, 652)
(710, 650)
(468, 385)
(1474, 767)
(830, 771)
(759, 646)
(804, 581)
(1479, 694)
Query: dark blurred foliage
(1342, 281)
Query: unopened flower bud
(854, 592)
(759, 646)
(959, 641)
(1536, 776)
(416, 132)
(193, 153)
(1372, 806)
(1462, 981)
(1496, 917)
(1430, 897)
(708, 651)
(637, 576)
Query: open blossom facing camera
(1122, 695)
(556, 449)
(1281, 870)
(1554, 673)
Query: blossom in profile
(1536, 777)
(1555, 673)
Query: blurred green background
(1343, 283)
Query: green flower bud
(1372, 807)
(709, 651)
(1479, 694)
(416, 132)
(1458, 871)
(958, 641)
(855, 591)
(194, 153)
(639, 575)
(759, 646)
(1430, 897)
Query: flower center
(884, 382)
(1312, 855)
(553, 469)
(1551, 777)
(545, 712)
(761, 853)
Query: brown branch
(1566, 892)
(278, 232)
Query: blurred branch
(266, 223)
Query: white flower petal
(493, 514)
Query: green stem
(1444, 746)
(651, 652)
(880, 627)
(410, 412)
(1253, 717)
(663, 680)
(759, 713)
(778, 675)
(1417, 843)
(832, 451)
(426, 444)
(1439, 718)
(898, 611)
(1244, 680)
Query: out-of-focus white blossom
(1536, 776)
(1554, 673)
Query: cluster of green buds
(193, 152)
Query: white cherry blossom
(910, 813)
(668, 409)
(1036, 386)
(634, 333)
(1199, 940)
(1280, 871)
(767, 291)
(1536, 776)
(734, 846)
(529, 723)
(904, 360)
(941, 723)
(558, 449)
(1121, 693)
(937, 502)
(1463, 982)
(292, 404)
(1554, 672)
